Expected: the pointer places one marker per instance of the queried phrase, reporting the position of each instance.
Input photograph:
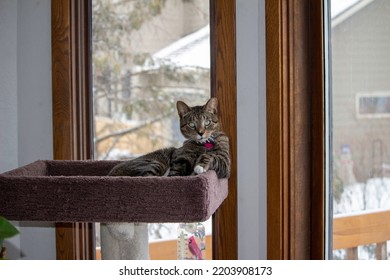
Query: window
(145, 57)
(319, 152)
(373, 105)
(72, 126)
(360, 135)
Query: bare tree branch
(130, 130)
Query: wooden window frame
(72, 132)
(71, 91)
(295, 129)
(295, 122)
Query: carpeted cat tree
(80, 191)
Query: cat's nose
(200, 133)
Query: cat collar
(209, 144)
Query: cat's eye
(207, 123)
(191, 125)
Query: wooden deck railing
(351, 231)
(167, 250)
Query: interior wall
(8, 98)
(8, 86)
(251, 114)
(25, 107)
(35, 139)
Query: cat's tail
(152, 164)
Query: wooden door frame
(72, 133)
(224, 87)
(71, 86)
(295, 129)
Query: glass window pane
(146, 56)
(360, 113)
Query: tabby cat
(206, 148)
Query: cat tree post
(124, 241)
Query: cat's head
(199, 122)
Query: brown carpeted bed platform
(70, 191)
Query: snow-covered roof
(343, 9)
(192, 50)
(340, 6)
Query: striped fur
(198, 125)
(153, 164)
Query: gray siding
(361, 63)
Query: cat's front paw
(199, 169)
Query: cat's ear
(212, 105)
(182, 108)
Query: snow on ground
(372, 195)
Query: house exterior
(361, 90)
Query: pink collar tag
(208, 145)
